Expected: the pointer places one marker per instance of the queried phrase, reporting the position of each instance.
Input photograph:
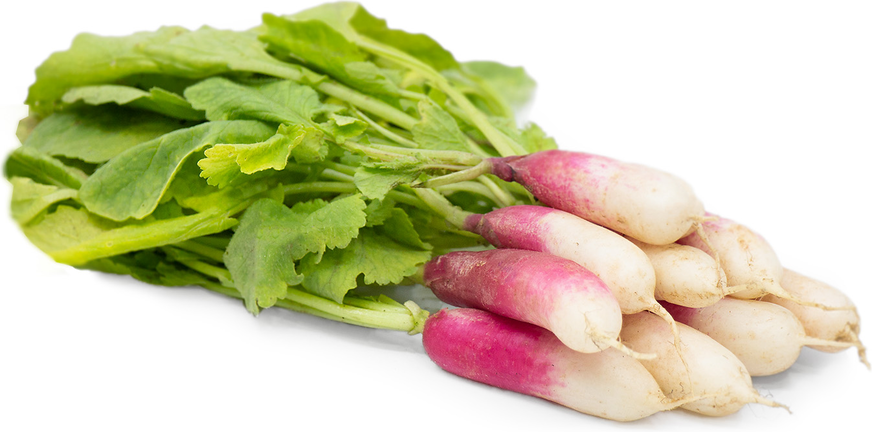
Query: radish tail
(616, 344)
(659, 310)
(777, 290)
(861, 349)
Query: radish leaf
(271, 237)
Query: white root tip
(659, 310)
(616, 344)
(861, 349)
(777, 290)
(770, 403)
(831, 343)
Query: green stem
(468, 174)
(201, 249)
(471, 187)
(458, 157)
(344, 169)
(376, 153)
(319, 187)
(368, 104)
(373, 305)
(341, 187)
(410, 320)
(386, 132)
(339, 91)
(213, 241)
(504, 198)
(441, 206)
(336, 175)
(504, 145)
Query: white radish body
(766, 337)
(639, 201)
(832, 325)
(746, 258)
(710, 370)
(685, 275)
(527, 359)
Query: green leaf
(271, 237)
(420, 46)
(532, 138)
(318, 44)
(97, 134)
(283, 102)
(378, 211)
(399, 227)
(208, 51)
(34, 164)
(92, 60)
(275, 102)
(132, 184)
(511, 84)
(75, 236)
(375, 183)
(225, 163)
(30, 198)
(156, 100)
(378, 258)
(438, 130)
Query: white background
(764, 107)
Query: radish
(641, 202)
(836, 325)
(766, 337)
(528, 359)
(624, 268)
(747, 259)
(534, 287)
(685, 275)
(711, 368)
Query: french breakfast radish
(535, 287)
(766, 337)
(624, 268)
(639, 201)
(711, 369)
(528, 359)
(834, 325)
(685, 275)
(746, 258)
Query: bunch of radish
(621, 297)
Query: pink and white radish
(534, 287)
(528, 359)
(639, 201)
(624, 268)
(710, 368)
(766, 337)
(685, 275)
(747, 259)
(833, 325)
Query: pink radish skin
(622, 266)
(641, 202)
(528, 359)
(836, 325)
(766, 337)
(685, 275)
(534, 287)
(711, 369)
